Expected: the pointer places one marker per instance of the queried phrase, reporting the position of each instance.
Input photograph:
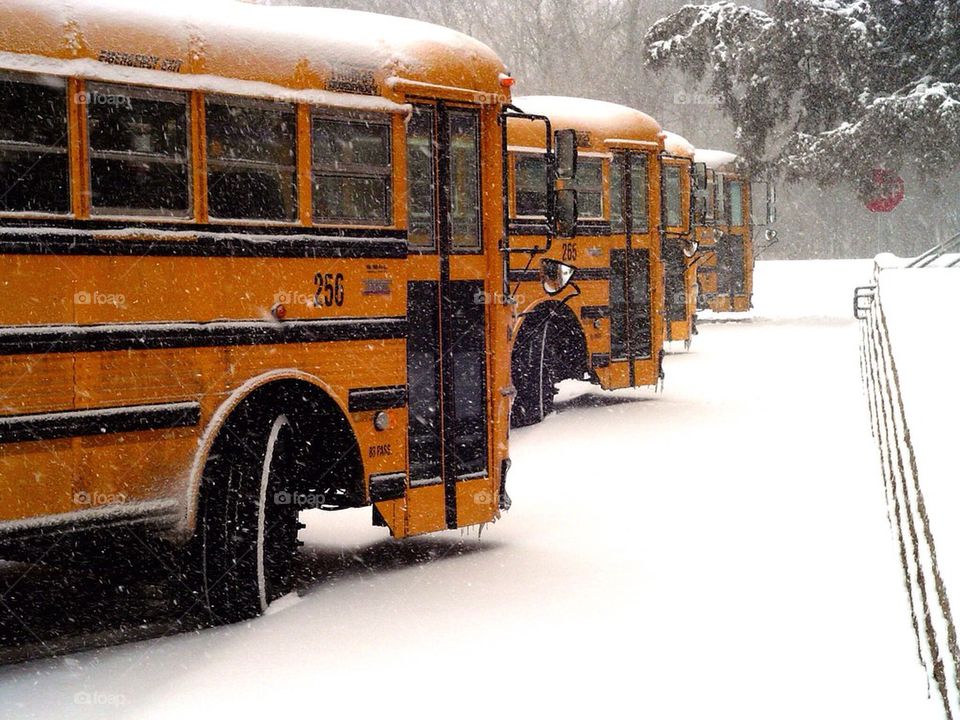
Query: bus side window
(530, 172)
(673, 209)
(252, 160)
(735, 203)
(464, 174)
(589, 187)
(34, 163)
(639, 200)
(421, 179)
(616, 194)
(139, 151)
(352, 168)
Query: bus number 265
(329, 290)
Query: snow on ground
(720, 550)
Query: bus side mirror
(711, 194)
(700, 176)
(767, 192)
(565, 144)
(555, 276)
(567, 213)
(720, 209)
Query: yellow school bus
(679, 248)
(726, 240)
(590, 304)
(250, 266)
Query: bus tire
(533, 378)
(247, 520)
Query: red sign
(888, 191)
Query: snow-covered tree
(828, 90)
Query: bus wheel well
(330, 474)
(550, 347)
(565, 339)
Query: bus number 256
(329, 290)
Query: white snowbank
(913, 339)
(807, 289)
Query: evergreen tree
(828, 89)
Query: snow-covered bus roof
(606, 122)
(716, 159)
(301, 53)
(677, 145)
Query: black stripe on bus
(593, 227)
(594, 312)
(94, 224)
(102, 421)
(600, 273)
(388, 486)
(242, 244)
(600, 360)
(27, 339)
(381, 398)
(524, 275)
(581, 274)
(538, 228)
(528, 227)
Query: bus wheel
(533, 376)
(247, 522)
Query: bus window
(252, 160)
(351, 171)
(531, 185)
(139, 151)
(639, 194)
(735, 198)
(673, 210)
(464, 180)
(34, 165)
(616, 194)
(421, 179)
(589, 187)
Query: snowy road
(720, 550)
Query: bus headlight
(381, 421)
